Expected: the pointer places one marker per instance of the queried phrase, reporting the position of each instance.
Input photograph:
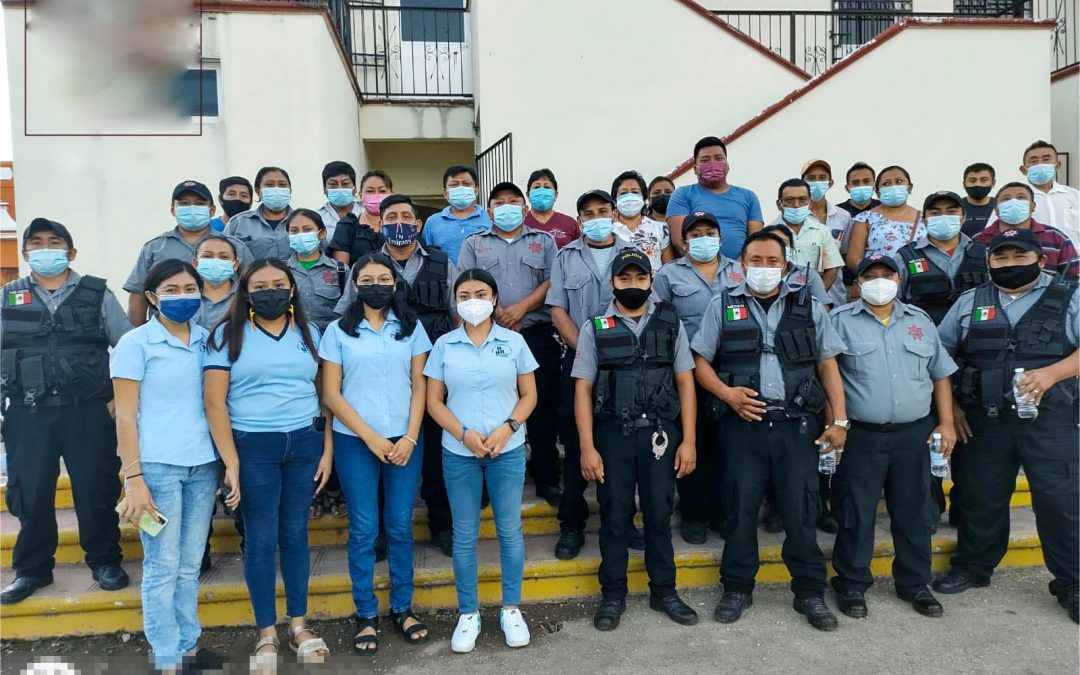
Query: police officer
(192, 206)
(260, 228)
(690, 283)
(56, 327)
(633, 382)
(1023, 318)
(520, 260)
(893, 366)
(319, 278)
(580, 289)
(766, 354)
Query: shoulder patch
(984, 313)
(736, 313)
(603, 322)
(17, 298)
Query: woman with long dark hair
(262, 401)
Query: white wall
(1065, 131)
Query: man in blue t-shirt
(737, 209)
(448, 228)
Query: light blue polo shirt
(172, 422)
(376, 372)
(481, 382)
(272, 384)
(447, 231)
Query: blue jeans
(505, 476)
(170, 582)
(277, 482)
(359, 471)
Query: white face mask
(880, 291)
(763, 279)
(475, 311)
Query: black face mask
(375, 296)
(1014, 276)
(977, 191)
(659, 203)
(271, 303)
(234, 206)
(631, 298)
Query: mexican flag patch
(985, 313)
(603, 322)
(737, 313)
(16, 298)
(917, 266)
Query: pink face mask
(711, 174)
(372, 202)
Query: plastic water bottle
(1025, 405)
(939, 466)
(826, 462)
(3, 468)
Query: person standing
(447, 229)
(260, 229)
(542, 216)
(215, 260)
(358, 232)
(890, 226)
(339, 186)
(813, 245)
(234, 195)
(979, 179)
(647, 235)
(633, 382)
(660, 191)
(894, 367)
(56, 327)
(319, 278)
(1056, 205)
(1013, 210)
(859, 183)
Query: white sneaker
(514, 627)
(468, 629)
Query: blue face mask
(861, 194)
(894, 195)
(341, 197)
(276, 198)
(597, 229)
(215, 270)
(400, 234)
(179, 308)
(541, 198)
(630, 204)
(818, 189)
(796, 215)
(192, 218)
(508, 217)
(48, 262)
(461, 197)
(943, 227)
(304, 243)
(703, 249)
(1041, 174)
(1014, 211)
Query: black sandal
(410, 633)
(360, 642)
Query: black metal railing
(496, 164)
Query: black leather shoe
(826, 523)
(608, 614)
(22, 588)
(773, 523)
(852, 603)
(1070, 600)
(444, 541)
(549, 493)
(111, 577)
(816, 612)
(380, 547)
(923, 601)
(695, 533)
(958, 581)
(677, 610)
(637, 540)
(569, 545)
(731, 606)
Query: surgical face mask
(400, 234)
(193, 218)
(1014, 211)
(48, 262)
(818, 189)
(597, 229)
(179, 308)
(860, 194)
(372, 202)
(1041, 174)
(1014, 276)
(475, 311)
(231, 207)
(461, 197)
(943, 227)
(880, 291)
(215, 270)
(541, 198)
(796, 215)
(508, 217)
(304, 243)
(703, 249)
(271, 303)
(630, 204)
(276, 198)
(712, 174)
(763, 279)
(977, 191)
(893, 195)
(341, 197)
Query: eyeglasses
(383, 280)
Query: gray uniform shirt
(410, 270)
(585, 366)
(116, 321)
(211, 312)
(171, 245)
(889, 370)
(735, 274)
(577, 286)
(518, 265)
(264, 240)
(330, 219)
(942, 260)
(707, 341)
(319, 289)
(682, 284)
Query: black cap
(699, 217)
(942, 194)
(44, 224)
(594, 194)
(1024, 240)
(878, 259)
(194, 187)
(505, 185)
(628, 257)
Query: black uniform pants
(1046, 447)
(85, 436)
(432, 486)
(898, 461)
(573, 509)
(699, 502)
(757, 454)
(543, 423)
(630, 467)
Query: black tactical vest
(64, 354)
(930, 288)
(430, 296)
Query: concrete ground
(1012, 627)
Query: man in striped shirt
(1015, 203)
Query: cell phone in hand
(147, 523)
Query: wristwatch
(514, 424)
(843, 424)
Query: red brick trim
(1067, 71)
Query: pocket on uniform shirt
(538, 267)
(683, 290)
(857, 359)
(920, 365)
(576, 288)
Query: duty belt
(46, 402)
(891, 426)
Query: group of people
(667, 339)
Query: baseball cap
(878, 259)
(594, 194)
(194, 187)
(505, 185)
(1024, 240)
(942, 194)
(815, 162)
(699, 217)
(627, 258)
(46, 225)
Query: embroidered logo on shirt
(915, 332)
(536, 247)
(603, 322)
(736, 313)
(736, 277)
(986, 313)
(502, 350)
(16, 298)
(918, 265)
(329, 277)
(302, 346)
